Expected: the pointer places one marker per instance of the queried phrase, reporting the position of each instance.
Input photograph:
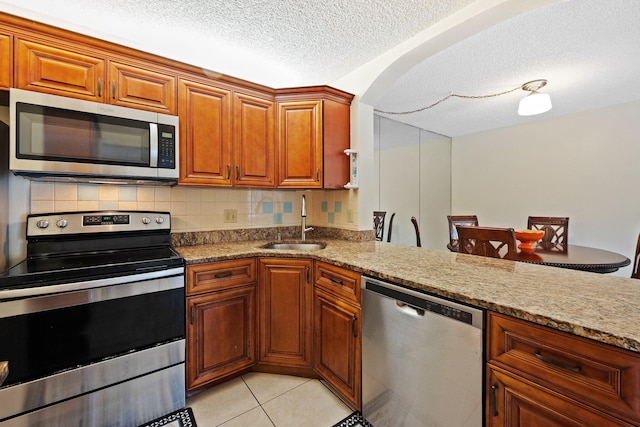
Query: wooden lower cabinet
(539, 376)
(516, 402)
(221, 315)
(221, 334)
(337, 345)
(285, 307)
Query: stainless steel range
(92, 322)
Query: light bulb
(534, 103)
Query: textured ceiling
(588, 50)
(279, 43)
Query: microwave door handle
(153, 145)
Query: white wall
(414, 180)
(585, 166)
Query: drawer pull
(193, 315)
(492, 401)
(222, 275)
(336, 281)
(558, 363)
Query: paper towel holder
(353, 169)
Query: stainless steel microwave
(54, 137)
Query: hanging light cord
(451, 95)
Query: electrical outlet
(230, 215)
(350, 217)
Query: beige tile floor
(268, 400)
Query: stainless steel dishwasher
(422, 359)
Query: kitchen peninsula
(527, 305)
(599, 307)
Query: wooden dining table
(582, 258)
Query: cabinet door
(300, 144)
(205, 134)
(337, 344)
(6, 61)
(220, 334)
(143, 88)
(285, 304)
(515, 402)
(254, 141)
(59, 70)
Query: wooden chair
(378, 223)
(414, 221)
(556, 231)
(635, 274)
(487, 241)
(454, 221)
(393, 215)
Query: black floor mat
(354, 420)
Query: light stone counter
(601, 307)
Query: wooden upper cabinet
(300, 144)
(205, 133)
(6, 60)
(313, 132)
(74, 71)
(227, 137)
(254, 147)
(140, 87)
(60, 71)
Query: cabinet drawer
(604, 376)
(340, 281)
(220, 275)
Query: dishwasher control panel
(424, 302)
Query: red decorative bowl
(528, 240)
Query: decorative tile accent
(87, 192)
(324, 206)
(337, 207)
(127, 193)
(331, 217)
(287, 207)
(277, 218)
(267, 207)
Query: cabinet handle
(99, 87)
(492, 400)
(237, 172)
(354, 328)
(317, 174)
(222, 275)
(193, 315)
(228, 171)
(307, 273)
(559, 364)
(113, 89)
(336, 281)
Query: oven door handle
(100, 290)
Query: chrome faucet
(304, 218)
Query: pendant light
(535, 102)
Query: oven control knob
(160, 220)
(43, 223)
(62, 223)
(146, 220)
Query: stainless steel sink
(298, 246)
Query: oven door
(67, 344)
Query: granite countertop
(601, 307)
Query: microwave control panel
(166, 147)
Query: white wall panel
(585, 166)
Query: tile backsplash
(203, 209)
